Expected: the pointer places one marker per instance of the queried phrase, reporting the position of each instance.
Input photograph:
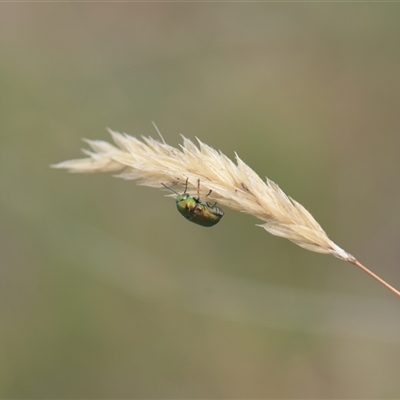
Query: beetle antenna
(187, 179)
(198, 188)
(172, 190)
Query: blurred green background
(106, 291)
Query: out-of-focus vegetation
(106, 291)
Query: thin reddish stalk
(376, 277)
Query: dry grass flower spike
(234, 185)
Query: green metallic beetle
(195, 210)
